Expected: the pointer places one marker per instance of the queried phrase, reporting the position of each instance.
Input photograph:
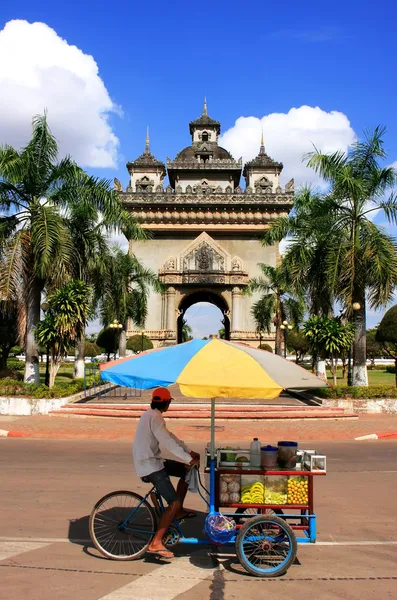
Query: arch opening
(203, 297)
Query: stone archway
(203, 295)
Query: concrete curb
(5, 433)
(377, 436)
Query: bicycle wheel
(266, 546)
(122, 525)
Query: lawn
(374, 378)
(64, 375)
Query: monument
(206, 230)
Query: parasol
(211, 369)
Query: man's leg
(166, 519)
(178, 469)
(164, 487)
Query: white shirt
(150, 433)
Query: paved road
(49, 487)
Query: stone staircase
(202, 411)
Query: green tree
(139, 343)
(265, 347)
(328, 339)
(361, 258)
(221, 333)
(125, 291)
(386, 334)
(298, 343)
(9, 334)
(374, 348)
(107, 340)
(305, 257)
(64, 322)
(277, 302)
(35, 244)
(91, 349)
(186, 331)
(94, 211)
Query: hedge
(13, 387)
(344, 391)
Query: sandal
(161, 553)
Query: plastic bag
(192, 479)
(220, 528)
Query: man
(152, 468)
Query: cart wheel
(266, 546)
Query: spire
(262, 149)
(147, 147)
(205, 106)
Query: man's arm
(168, 440)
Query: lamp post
(355, 306)
(44, 307)
(285, 328)
(118, 327)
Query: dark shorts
(161, 479)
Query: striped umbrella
(211, 369)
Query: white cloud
(288, 136)
(39, 70)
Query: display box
(275, 489)
(229, 489)
(298, 490)
(252, 489)
(314, 462)
(228, 457)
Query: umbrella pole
(212, 462)
(212, 428)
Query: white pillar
(236, 309)
(171, 316)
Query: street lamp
(117, 326)
(355, 306)
(285, 328)
(44, 307)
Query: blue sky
(156, 61)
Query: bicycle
(122, 525)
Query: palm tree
(34, 241)
(64, 321)
(93, 212)
(186, 331)
(125, 291)
(277, 303)
(305, 257)
(361, 258)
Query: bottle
(255, 453)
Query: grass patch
(12, 384)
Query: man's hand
(195, 455)
(195, 462)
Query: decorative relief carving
(237, 264)
(170, 264)
(117, 185)
(203, 257)
(190, 196)
(290, 186)
(203, 279)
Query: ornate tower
(146, 172)
(206, 230)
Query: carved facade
(205, 243)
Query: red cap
(161, 394)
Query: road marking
(165, 582)
(10, 549)
(46, 541)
